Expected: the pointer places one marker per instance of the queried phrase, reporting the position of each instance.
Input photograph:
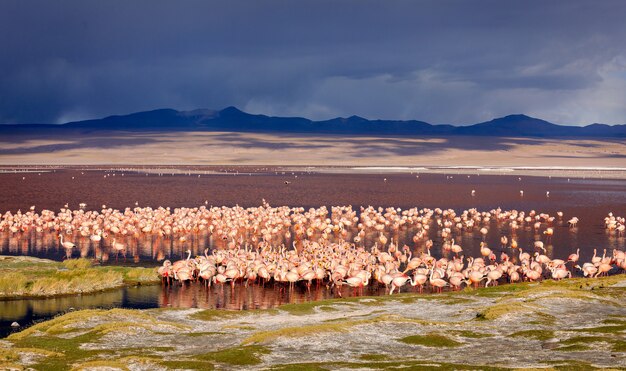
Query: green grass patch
(431, 340)
(36, 277)
(206, 333)
(471, 334)
(19, 262)
(57, 324)
(571, 365)
(449, 298)
(614, 321)
(13, 354)
(62, 352)
(336, 325)
(535, 334)
(305, 308)
(498, 310)
(573, 348)
(80, 263)
(369, 300)
(13, 283)
(8, 355)
(146, 350)
(68, 347)
(117, 319)
(574, 288)
(134, 275)
(612, 329)
(189, 364)
(383, 365)
(239, 356)
(10, 366)
(100, 364)
(301, 367)
(497, 291)
(587, 339)
(238, 327)
(353, 317)
(300, 331)
(619, 345)
(374, 357)
(75, 281)
(542, 318)
(300, 309)
(221, 314)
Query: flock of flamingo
(328, 248)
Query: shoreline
(65, 295)
(584, 172)
(276, 150)
(64, 276)
(557, 324)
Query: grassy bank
(31, 277)
(568, 325)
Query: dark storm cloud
(443, 62)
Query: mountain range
(232, 119)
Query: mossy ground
(471, 334)
(535, 334)
(385, 365)
(585, 330)
(431, 340)
(239, 356)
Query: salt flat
(226, 148)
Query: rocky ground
(572, 324)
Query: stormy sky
(438, 61)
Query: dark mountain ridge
(234, 120)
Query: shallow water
(588, 199)
(191, 295)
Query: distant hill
(235, 120)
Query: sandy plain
(227, 148)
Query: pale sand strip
(566, 157)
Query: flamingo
(67, 244)
(292, 277)
(96, 237)
(595, 260)
(559, 273)
(574, 257)
(118, 246)
(437, 282)
(589, 270)
(603, 269)
(474, 277)
(356, 282)
(165, 271)
(398, 281)
(484, 250)
(493, 276)
(255, 239)
(456, 248)
(548, 232)
(419, 279)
